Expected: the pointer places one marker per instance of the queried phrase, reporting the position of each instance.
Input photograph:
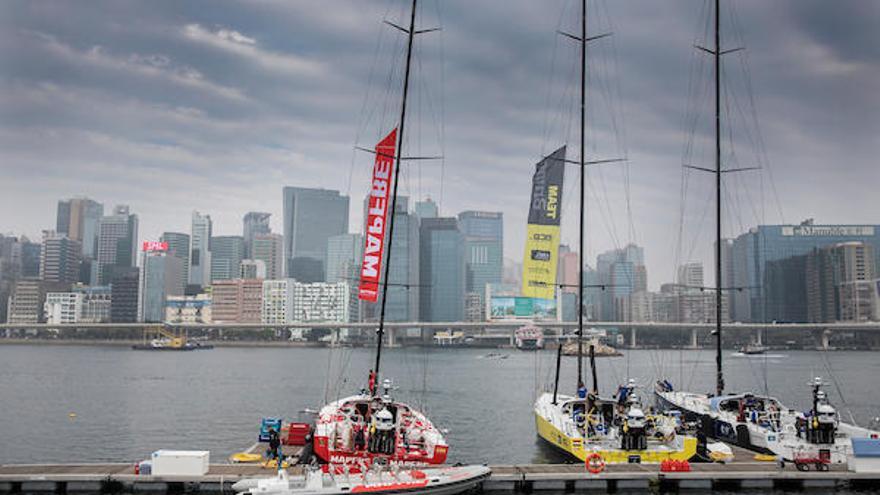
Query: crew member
(274, 451)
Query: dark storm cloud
(174, 106)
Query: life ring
(595, 463)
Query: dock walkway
(523, 478)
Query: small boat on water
(529, 338)
(330, 481)
(600, 349)
(163, 339)
(752, 349)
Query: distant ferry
(529, 338)
(752, 349)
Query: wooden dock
(528, 478)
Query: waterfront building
(753, 250)
(178, 246)
(277, 301)
(62, 307)
(623, 272)
(690, 275)
(268, 248)
(443, 270)
(311, 217)
(251, 269)
(159, 278)
(60, 258)
(78, 219)
(254, 223)
(237, 301)
(227, 251)
(841, 283)
(567, 269)
(26, 301)
(117, 243)
(322, 302)
(344, 254)
(188, 310)
(124, 296)
(200, 250)
(96, 303)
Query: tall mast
(580, 334)
(719, 384)
(381, 331)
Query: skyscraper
(484, 251)
(311, 216)
(159, 278)
(623, 270)
(269, 249)
(690, 275)
(78, 219)
(117, 243)
(403, 275)
(178, 246)
(254, 223)
(443, 270)
(124, 295)
(427, 209)
(60, 258)
(200, 250)
(227, 251)
(344, 254)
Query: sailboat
(756, 421)
(588, 427)
(372, 424)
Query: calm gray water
(129, 403)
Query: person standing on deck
(274, 451)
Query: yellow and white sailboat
(586, 425)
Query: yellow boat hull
(575, 447)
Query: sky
(174, 106)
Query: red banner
(377, 216)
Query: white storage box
(180, 462)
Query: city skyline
(811, 67)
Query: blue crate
(269, 423)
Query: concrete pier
(526, 478)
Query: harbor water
(69, 404)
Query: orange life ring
(595, 463)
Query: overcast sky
(172, 106)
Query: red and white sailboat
(372, 424)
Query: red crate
(296, 433)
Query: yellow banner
(539, 261)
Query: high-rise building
(427, 209)
(403, 275)
(311, 217)
(62, 307)
(60, 258)
(690, 275)
(178, 246)
(623, 272)
(841, 283)
(117, 243)
(443, 270)
(751, 252)
(159, 278)
(322, 302)
(124, 296)
(268, 248)
(200, 250)
(227, 251)
(277, 301)
(567, 270)
(344, 253)
(78, 219)
(484, 251)
(254, 223)
(237, 301)
(252, 269)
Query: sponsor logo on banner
(377, 216)
(154, 246)
(542, 233)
